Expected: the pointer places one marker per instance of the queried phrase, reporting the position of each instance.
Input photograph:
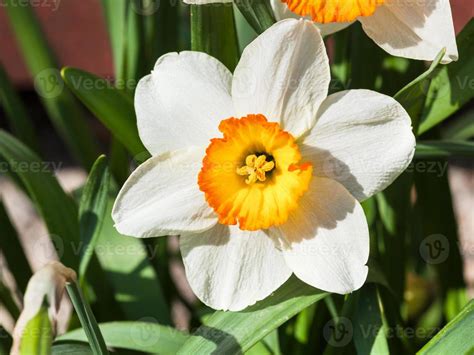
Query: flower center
(256, 168)
(326, 11)
(253, 176)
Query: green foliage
(87, 319)
(456, 336)
(16, 112)
(111, 106)
(57, 209)
(92, 210)
(213, 32)
(258, 13)
(234, 332)
(453, 85)
(138, 335)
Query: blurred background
(77, 33)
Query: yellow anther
(256, 167)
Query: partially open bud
(46, 287)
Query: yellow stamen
(255, 168)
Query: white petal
(281, 11)
(284, 75)
(413, 29)
(162, 197)
(362, 139)
(326, 241)
(231, 269)
(182, 102)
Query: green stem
(213, 32)
(87, 319)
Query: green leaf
(461, 128)
(453, 85)
(111, 106)
(116, 14)
(37, 335)
(13, 251)
(129, 270)
(236, 332)
(213, 32)
(16, 112)
(71, 348)
(65, 113)
(258, 13)
(92, 210)
(456, 337)
(57, 209)
(413, 96)
(140, 336)
(87, 319)
(443, 149)
(439, 247)
(371, 327)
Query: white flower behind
(279, 193)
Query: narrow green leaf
(443, 149)
(413, 96)
(16, 112)
(258, 13)
(13, 251)
(65, 113)
(461, 128)
(57, 209)
(394, 209)
(116, 14)
(128, 268)
(371, 327)
(111, 106)
(439, 245)
(236, 332)
(71, 348)
(213, 32)
(245, 32)
(37, 336)
(87, 319)
(92, 210)
(140, 336)
(453, 85)
(456, 337)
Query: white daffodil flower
(48, 284)
(277, 190)
(416, 29)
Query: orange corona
(327, 11)
(253, 176)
